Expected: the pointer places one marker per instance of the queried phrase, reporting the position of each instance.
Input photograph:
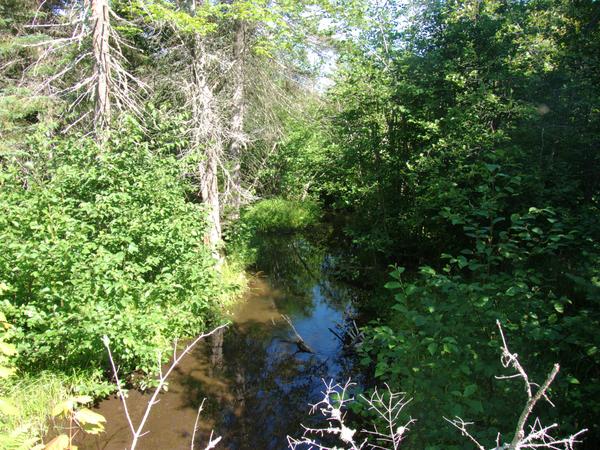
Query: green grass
(233, 280)
(265, 217)
(277, 214)
(34, 396)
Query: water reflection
(256, 381)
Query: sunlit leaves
(8, 408)
(84, 418)
(90, 422)
(106, 245)
(60, 442)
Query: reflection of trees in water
(256, 384)
(266, 386)
(216, 351)
(295, 264)
(291, 261)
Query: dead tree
(206, 138)
(93, 74)
(238, 137)
(207, 133)
(102, 59)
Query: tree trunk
(238, 138)
(206, 139)
(101, 50)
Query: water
(256, 382)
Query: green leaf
(469, 390)
(428, 270)
(392, 285)
(60, 442)
(63, 408)
(83, 399)
(432, 348)
(476, 406)
(8, 349)
(380, 369)
(87, 416)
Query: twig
(138, 432)
(196, 424)
(462, 426)
(539, 436)
(388, 406)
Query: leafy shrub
(439, 343)
(101, 242)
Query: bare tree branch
(538, 436)
(137, 432)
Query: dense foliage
(460, 141)
(101, 243)
(439, 342)
(457, 141)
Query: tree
(102, 62)
(76, 58)
(238, 137)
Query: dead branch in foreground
(137, 432)
(538, 435)
(387, 404)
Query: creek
(258, 386)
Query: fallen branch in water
(349, 334)
(137, 432)
(301, 343)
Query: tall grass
(34, 396)
(268, 216)
(277, 214)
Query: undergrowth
(98, 242)
(35, 395)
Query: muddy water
(256, 383)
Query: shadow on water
(257, 385)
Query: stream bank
(256, 382)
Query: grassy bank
(275, 215)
